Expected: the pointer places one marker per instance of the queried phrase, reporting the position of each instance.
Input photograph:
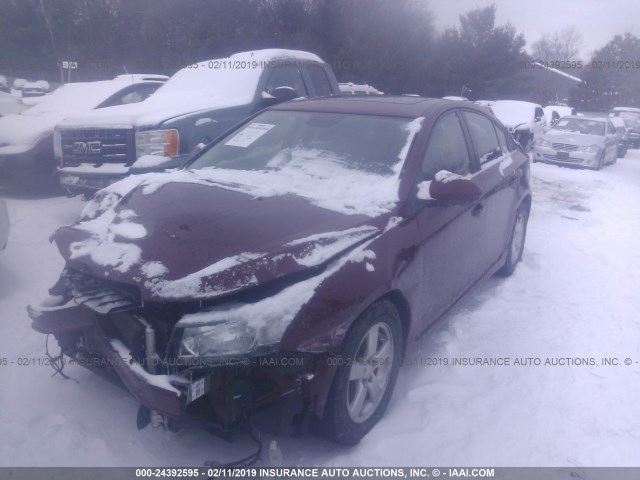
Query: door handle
(477, 209)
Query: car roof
(384, 105)
(141, 77)
(626, 109)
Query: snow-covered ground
(576, 295)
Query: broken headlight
(227, 333)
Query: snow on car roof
(234, 77)
(274, 54)
(626, 109)
(206, 85)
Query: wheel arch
(397, 298)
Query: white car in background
(525, 120)
(356, 89)
(553, 113)
(631, 116)
(26, 140)
(4, 85)
(4, 224)
(10, 104)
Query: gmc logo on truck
(87, 148)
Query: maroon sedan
(295, 257)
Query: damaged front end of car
(202, 365)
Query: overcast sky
(597, 20)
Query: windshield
(582, 126)
(352, 161)
(285, 140)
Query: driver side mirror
(449, 187)
(196, 150)
(280, 94)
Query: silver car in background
(589, 142)
(632, 118)
(622, 130)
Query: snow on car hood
(188, 240)
(10, 104)
(19, 133)
(574, 138)
(156, 109)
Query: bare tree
(564, 45)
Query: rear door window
(319, 81)
(484, 137)
(287, 76)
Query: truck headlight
(541, 142)
(157, 142)
(590, 149)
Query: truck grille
(97, 146)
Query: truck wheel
(364, 382)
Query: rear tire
(516, 242)
(363, 384)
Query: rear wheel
(516, 242)
(364, 382)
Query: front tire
(600, 162)
(363, 384)
(516, 242)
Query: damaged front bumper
(110, 332)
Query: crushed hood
(189, 241)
